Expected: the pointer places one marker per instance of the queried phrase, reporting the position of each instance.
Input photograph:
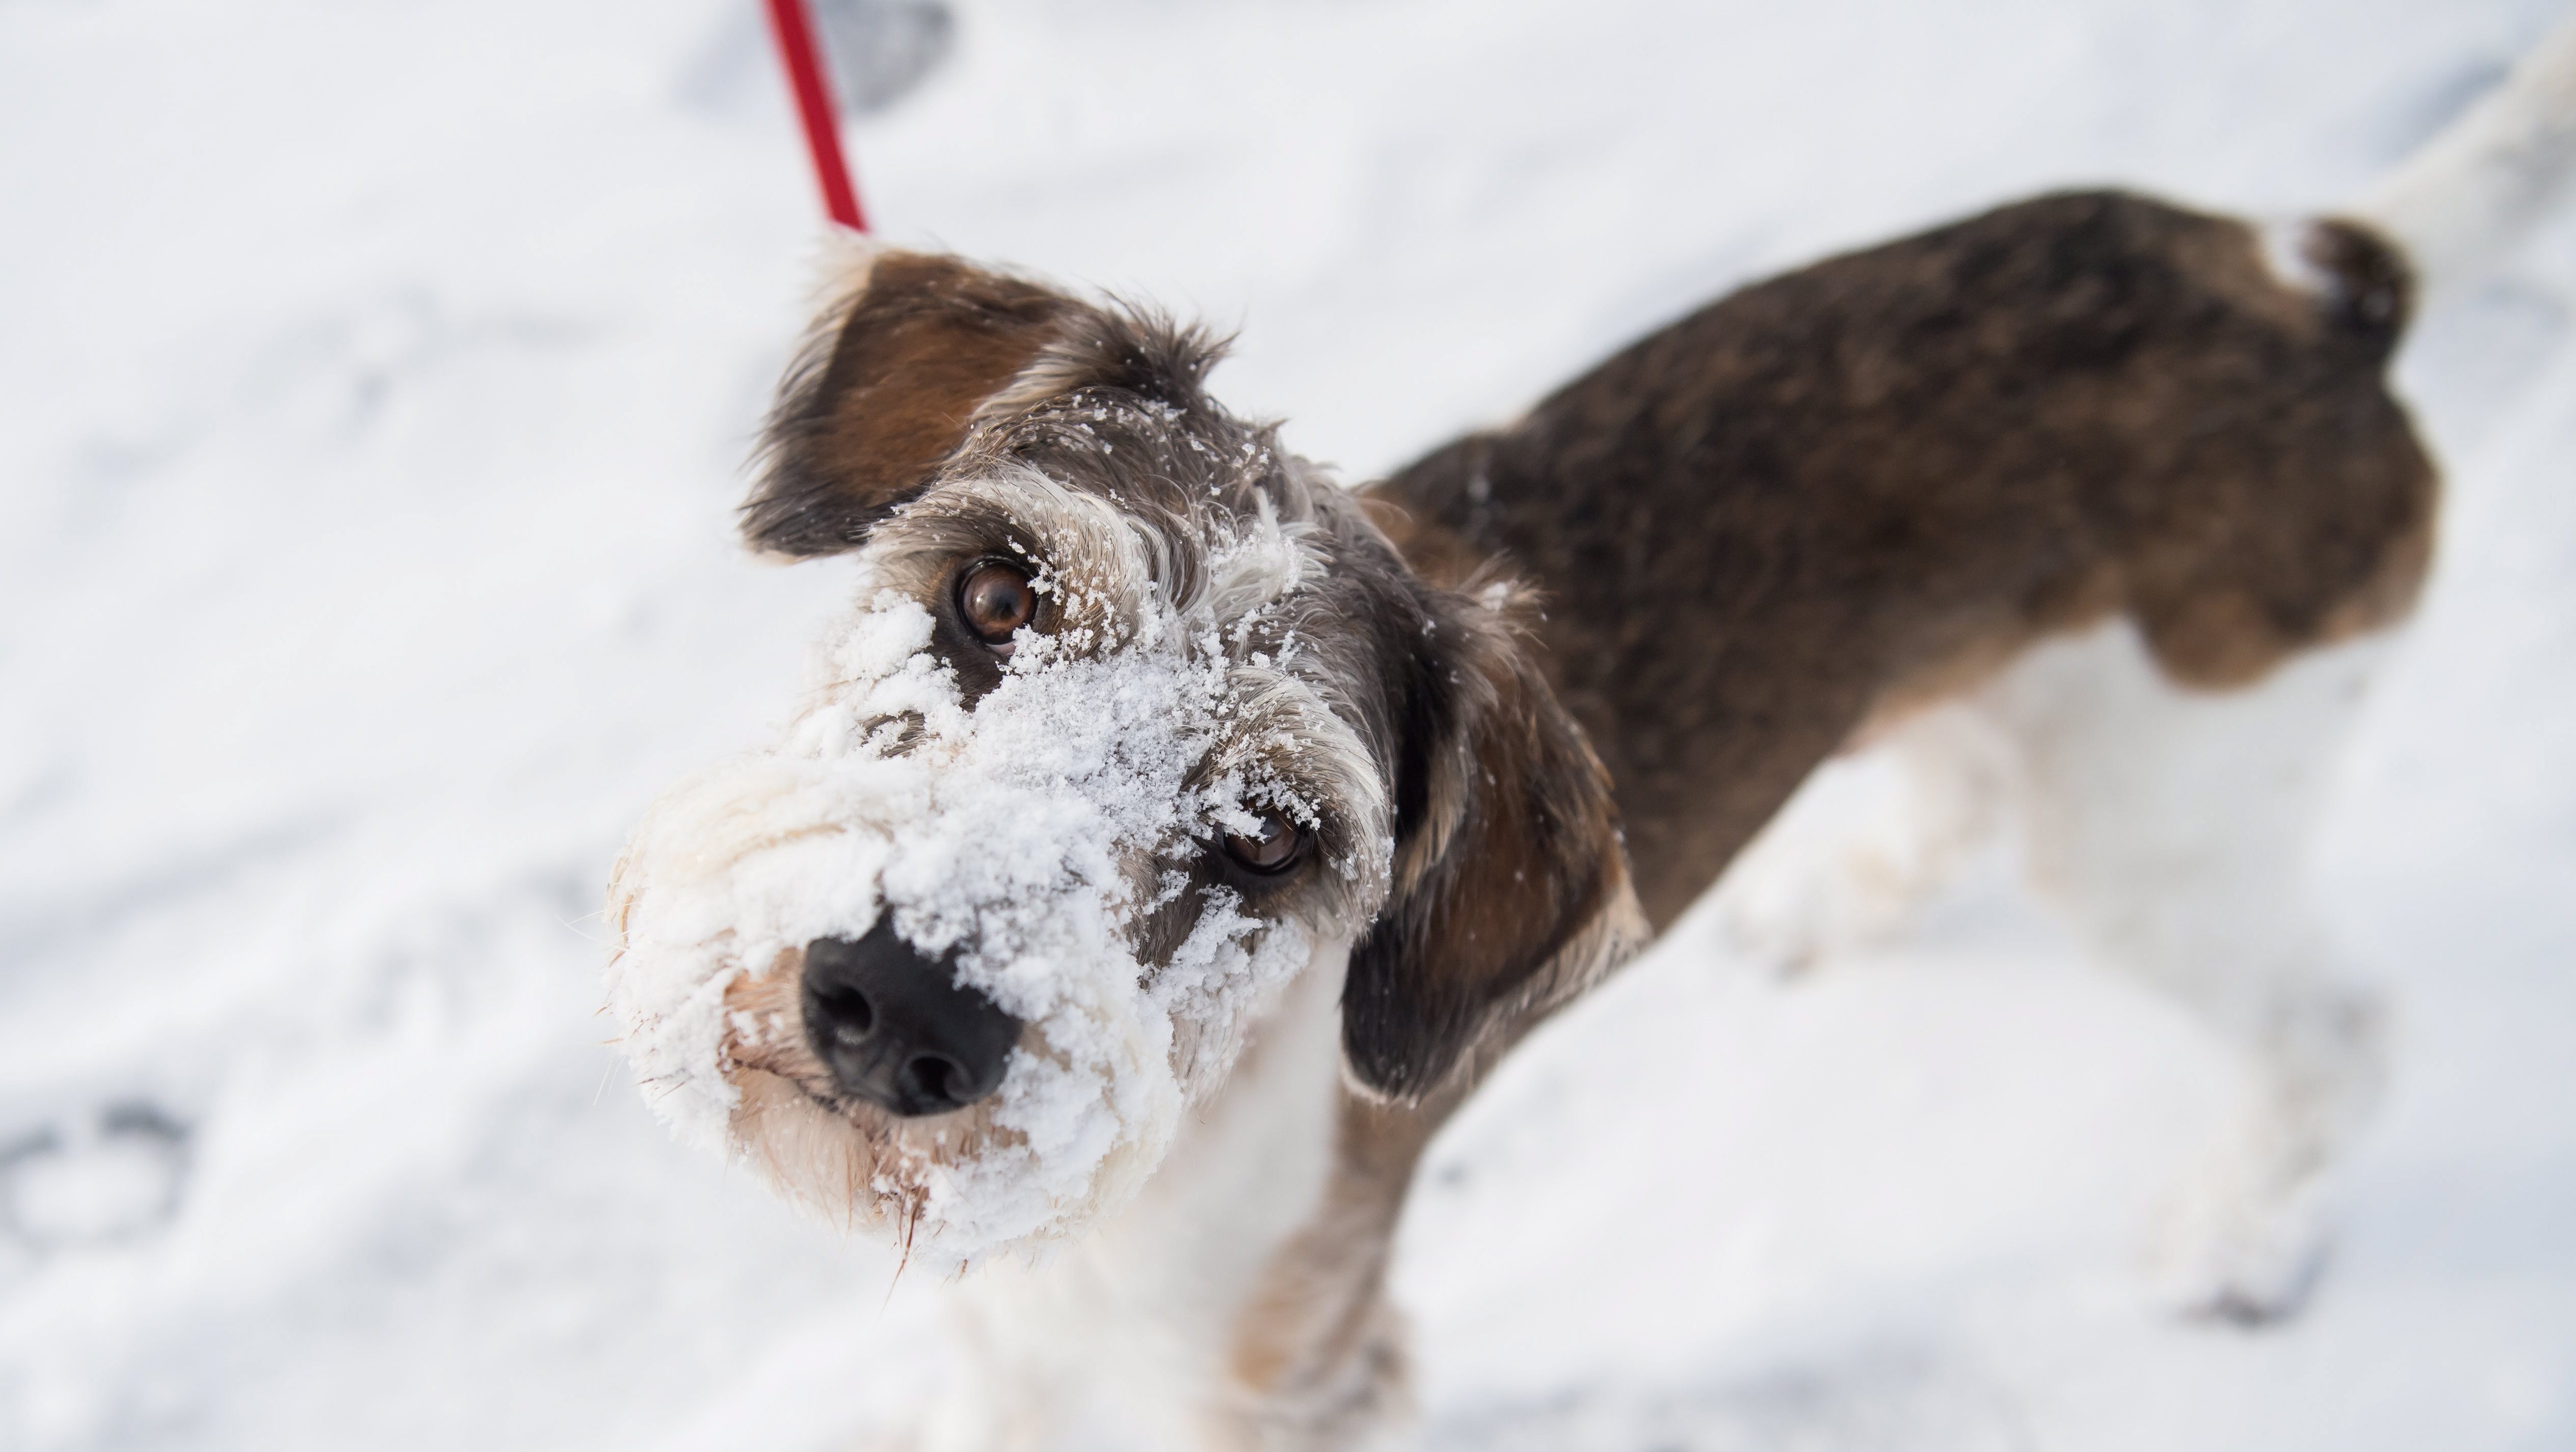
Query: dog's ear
(1510, 889)
(883, 391)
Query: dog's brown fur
(1859, 486)
(1508, 851)
(883, 393)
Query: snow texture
(378, 382)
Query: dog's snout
(897, 1029)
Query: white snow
(377, 380)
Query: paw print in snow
(110, 1176)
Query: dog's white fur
(2171, 827)
(2461, 200)
(1116, 1340)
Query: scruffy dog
(1171, 838)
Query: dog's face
(1135, 720)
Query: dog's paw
(1804, 904)
(1841, 870)
(1863, 844)
(2225, 1251)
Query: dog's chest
(1125, 1337)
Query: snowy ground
(376, 379)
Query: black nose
(897, 1029)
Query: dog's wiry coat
(1870, 481)
(2096, 472)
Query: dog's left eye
(996, 599)
(1273, 846)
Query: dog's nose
(897, 1029)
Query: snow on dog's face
(1135, 720)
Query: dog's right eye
(996, 599)
(1272, 846)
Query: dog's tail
(2464, 198)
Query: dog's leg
(2173, 825)
(1868, 837)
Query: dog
(1171, 838)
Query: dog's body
(1833, 501)
(1244, 822)
(1862, 487)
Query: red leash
(795, 31)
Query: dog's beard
(1021, 838)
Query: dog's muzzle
(898, 1030)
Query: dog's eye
(1271, 847)
(996, 600)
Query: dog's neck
(1238, 1302)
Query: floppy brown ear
(1510, 890)
(883, 392)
